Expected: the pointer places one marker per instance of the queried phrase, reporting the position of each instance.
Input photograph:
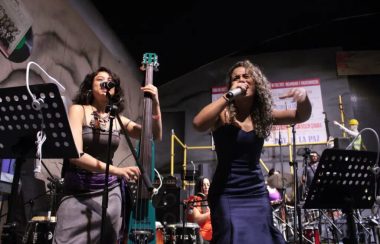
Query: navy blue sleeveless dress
(238, 199)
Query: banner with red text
(311, 131)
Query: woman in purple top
(80, 211)
(240, 121)
(274, 193)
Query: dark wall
(365, 101)
(172, 122)
(193, 91)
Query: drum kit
(187, 233)
(283, 212)
(40, 230)
(319, 225)
(283, 219)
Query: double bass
(142, 221)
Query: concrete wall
(69, 40)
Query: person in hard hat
(354, 133)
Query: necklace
(98, 121)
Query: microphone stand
(193, 176)
(297, 209)
(305, 165)
(184, 213)
(333, 223)
(185, 204)
(56, 184)
(111, 108)
(327, 126)
(283, 188)
(184, 219)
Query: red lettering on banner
(310, 82)
(218, 89)
(295, 83)
(278, 85)
(316, 125)
(292, 83)
(303, 126)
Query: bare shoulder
(76, 114)
(76, 108)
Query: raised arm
(299, 115)
(209, 115)
(350, 132)
(134, 129)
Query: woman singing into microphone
(238, 199)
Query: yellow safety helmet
(353, 122)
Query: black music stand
(20, 120)
(344, 180)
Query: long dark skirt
(79, 218)
(243, 219)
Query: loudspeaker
(167, 205)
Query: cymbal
(276, 180)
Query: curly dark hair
(85, 97)
(262, 101)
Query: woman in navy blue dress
(238, 199)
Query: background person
(353, 131)
(275, 196)
(199, 211)
(309, 171)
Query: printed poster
(311, 131)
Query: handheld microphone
(108, 85)
(231, 94)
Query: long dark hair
(262, 101)
(199, 184)
(85, 97)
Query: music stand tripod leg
(351, 227)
